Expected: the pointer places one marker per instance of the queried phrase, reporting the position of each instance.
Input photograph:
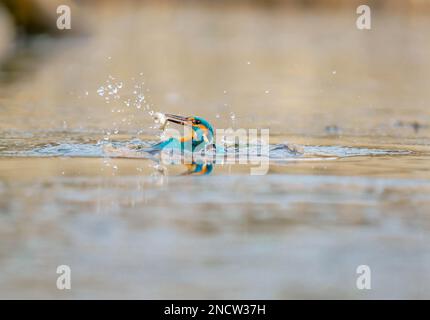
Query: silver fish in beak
(164, 118)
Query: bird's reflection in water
(196, 168)
(199, 169)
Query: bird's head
(202, 131)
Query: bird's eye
(197, 122)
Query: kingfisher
(198, 136)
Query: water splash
(135, 148)
(123, 96)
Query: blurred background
(294, 66)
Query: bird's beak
(178, 119)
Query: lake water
(358, 102)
